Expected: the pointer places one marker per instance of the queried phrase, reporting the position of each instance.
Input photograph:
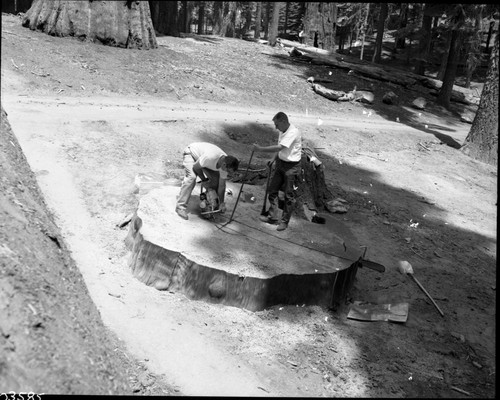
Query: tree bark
(120, 24)
(287, 4)
(327, 19)
(164, 17)
(201, 18)
(248, 18)
(451, 70)
(312, 194)
(258, 18)
(444, 59)
(273, 29)
(400, 41)
(473, 57)
(218, 18)
(482, 141)
(267, 17)
(424, 44)
(171, 17)
(363, 30)
(309, 21)
(384, 9)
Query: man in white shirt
(289, 152)
(211, 164)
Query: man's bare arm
(198, 170)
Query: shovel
(406, 269)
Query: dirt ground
(89, 118)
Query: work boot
(282, 226)
(181, 213)
(269, 220)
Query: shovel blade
(405, 267)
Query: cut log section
(244, 263)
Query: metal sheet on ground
(363, 311)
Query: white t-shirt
(292, 141)
(207, 155)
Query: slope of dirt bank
(52, 339)
(90, 118)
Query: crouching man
(211, 164)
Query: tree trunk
(444, 59)
(435, 23)
(267, 17)
(384, 10)
(488, 38)
(164, 17)
(482, 141)
(184, 24)
(248, 18)
(273, 29)
(327, 18)
(309, 21)
(473, 56)
(222, 17)
(363, 30)
(218, 17)
(258, 18)
(287, 4)
(451, 70)
(230, 19)
(201, 17)
(171, 17)
(424, 44)
(403, 20)
(120, 24)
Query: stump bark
(312, 194)
(114, 23)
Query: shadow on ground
(461, 245)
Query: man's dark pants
(284, 179)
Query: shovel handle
(427, 294)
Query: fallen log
(328, 93)
(403, 78)
(363, 96)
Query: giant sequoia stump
(243, 262)
(114, 23)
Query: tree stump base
(244, 262)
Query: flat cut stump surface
(302, 262)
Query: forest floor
(90, 118)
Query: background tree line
(438, 40)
